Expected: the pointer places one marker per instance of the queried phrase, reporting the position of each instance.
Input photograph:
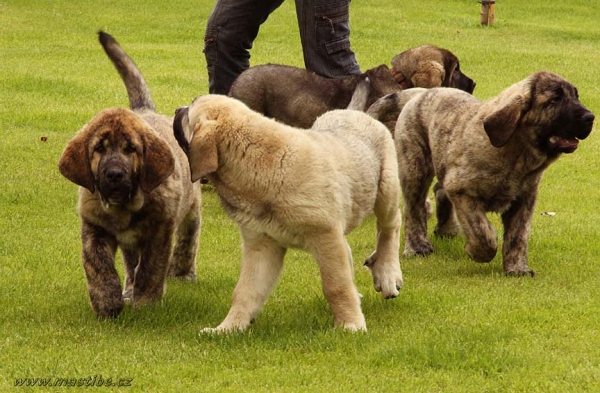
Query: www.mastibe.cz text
(91, 381)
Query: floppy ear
(204, 158)
(449, 72)
(429, 74)
(502, 114)
(158, 162)
(74, 163)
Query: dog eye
(99, 147)
(557, 97)
(129, 149)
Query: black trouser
(234, 24)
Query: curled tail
(360, 95)
(137, 89)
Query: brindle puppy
(487, 157)
(135, 193)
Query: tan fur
(288, 187)
(487, 157)
(139, 214)
(429, 66)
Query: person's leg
(230, 32)
(325, 34)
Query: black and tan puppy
(487, 157)
(429, 66)
(296, 97)
(289, 187)
(135, 193)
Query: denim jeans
(234, 24)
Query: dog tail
(392, 104)
(137, 89)
(360, 95)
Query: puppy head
(116, 152)
(546, 106)
(195, 128)
(458, 80)
(557, 115)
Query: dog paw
(387, 278)
(186, 277)
(446, 231)
(421, 248)
(355, 326)
(520, 273)
(223, 330)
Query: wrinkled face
(560, 119)
(461, 81)
(115, 159)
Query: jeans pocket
(332, 22)
(210, 46)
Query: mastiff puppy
(289, 187)
(429, 66)
(488, 157)
(296, 97)
(135, 193)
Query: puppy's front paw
(387, 277)
(520, 273)
(107, 306)
(223, 330)
(418, 246)
(354, 326)
(186, 277)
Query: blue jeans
(234, 24)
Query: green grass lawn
(457, 326)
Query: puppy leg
(103, 282)
(517, 224)
(446, 220)
(481, 236)
(384, 263)
(331, 252)
(151, 272)
(131, 259)
(262, 263)
(416, 174)
(183, 262)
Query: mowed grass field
(457, 326)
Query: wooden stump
(487, 12)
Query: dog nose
(115, 175)
(588, 117)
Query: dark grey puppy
(488, 157)
(296, 97)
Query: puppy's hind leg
(416, 174)
(262, 263)
(384, 263)
(183, 262)
(331, 252)
(131, 259)
(446, 220)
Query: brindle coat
(135, 193)
(487, 157)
